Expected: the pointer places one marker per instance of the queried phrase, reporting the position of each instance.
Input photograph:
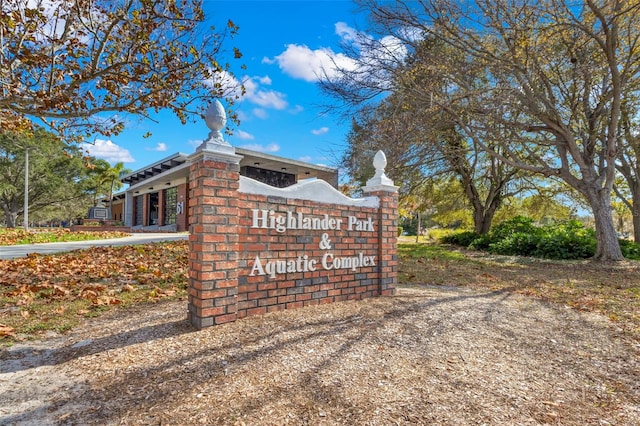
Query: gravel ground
(427, 356)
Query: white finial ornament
(215, 118)
(380, 181)
(380, 178)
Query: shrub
(566, 240)
(516, 244)
(630, 250)
(517, 224)
(520, 237)
(399, 230)
(438, 234)
(481, 243)
(463, 238)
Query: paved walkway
(11, 252)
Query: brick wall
(251, 253)
(273, 285)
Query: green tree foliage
(103, 180)
(421, 139)
(56, 171)
(82, 66)
(421, 149)
(519, 236)
(556, 76)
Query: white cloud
(385, 48)
(109, 151)
(241, 134)
(299, 61)
(346, 33)
(260, 113)
(160, 147)
(320, 131)
(306, 158)
(296, 109)
(230, 85)
(375, 57)
(272, 147)
(255, 93)
(264, 98)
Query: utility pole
(26, 189)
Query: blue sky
(284, 45)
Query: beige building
(158, 195)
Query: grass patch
(16, 236)
(427, 251)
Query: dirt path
(430, 355)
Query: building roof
(251, 158)
(155, 169)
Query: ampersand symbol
(325, 243)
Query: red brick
(212, 312)
(257, 311)
(221, 319)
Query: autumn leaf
(5, 330)
(96, 277)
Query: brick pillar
(213, 240)
(382, 187)
(387, 241)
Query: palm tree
(111, 178)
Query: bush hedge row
(519, 236)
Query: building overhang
(167, 171)
(155, 169)
(300, 169)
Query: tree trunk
(482, 221)
(11, 218)
(635, 212)
(483, 218)
(608, 247)
(634, 186)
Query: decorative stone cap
(216, 118)
(380, 181)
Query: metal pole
(26, 189)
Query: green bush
(520, 237)
(399, 230)
(516, 244)
(481, 243)
(517, 224)
(566, 240)
(438, 234)
(630, 250)
(462, 238)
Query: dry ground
(429, 355)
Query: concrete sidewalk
(11, 252)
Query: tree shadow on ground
(223, 361)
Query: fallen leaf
(5, 330)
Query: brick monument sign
(255, 248)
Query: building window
(270, 177)
(170, 203)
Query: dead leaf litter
(428, 356)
